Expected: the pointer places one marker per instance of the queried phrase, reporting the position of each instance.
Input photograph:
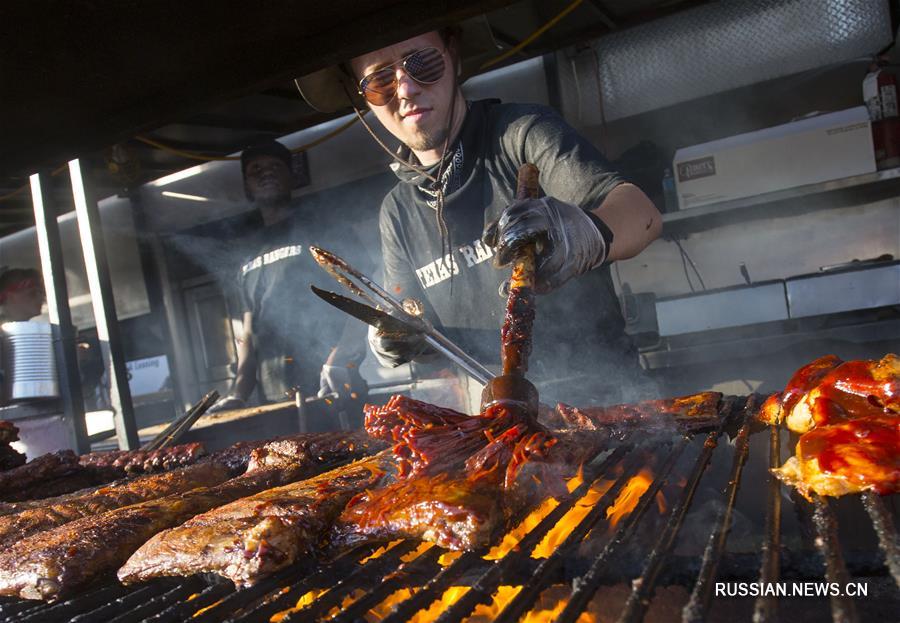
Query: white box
(812, 150)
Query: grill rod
(643, 589)
(543, 575)
(262, 609)
(843, 610)
(362, 577)
(586, 586)
(435, 587)
(487, 584)
(698, 606)
(887, 533)
(765, 610)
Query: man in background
(21, 294)
(291, 340)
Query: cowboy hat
(333, 89)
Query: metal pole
(95, 263)
(64, 337)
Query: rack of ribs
(55, 562)
(119, 463)
(15, 527)
(253, 537)
(695, 412)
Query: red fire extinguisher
(880, 96)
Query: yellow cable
(181, 152)
(195, 156)
(12, 194)
(537, 33)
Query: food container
(29, 361)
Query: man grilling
(288, 344)
(453, 214)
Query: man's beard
(426, 140)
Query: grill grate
(348, 587)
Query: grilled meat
(116, 464)
(451, 511)
(849, 414)
(55, 562)
(9, 432)
(464, 510)
(861, 454)
(337, 445)
(780, 405)
(10, 458)
(23, 479)
(52, 563)
(695, 412)
(29, 521)
(428, 440)
(258, 535)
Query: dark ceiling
(209, 77)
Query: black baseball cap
(265, 148)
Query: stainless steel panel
(831, 293)
(725, 45)
(722, 309)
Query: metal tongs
(386, 313)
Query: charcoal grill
(599, 572)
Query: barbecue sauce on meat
(517, 329)
(853, 440)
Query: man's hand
(568, 240)
(395, 348)
(227, 403)
(345, 381)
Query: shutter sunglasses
(425, 66)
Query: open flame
(628, 498)
(551, 603)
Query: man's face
(418, 113)
(267, 179)
(24, 304)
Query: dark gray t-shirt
(294, 330)
(579, 327)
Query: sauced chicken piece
(777, 406)
(854, 386)
(847, 456)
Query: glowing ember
(489, 612)
(511, 539)
(305, 600)
(629, 496)
(423, 547)
(448, 558)
(572, 518)
(661, 503)
(381, 551)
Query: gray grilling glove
(227, 403)
(345, 381)
(569, 241)
(393, 349)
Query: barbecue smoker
(648, 529)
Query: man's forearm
(633, 219)
(245, 379)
